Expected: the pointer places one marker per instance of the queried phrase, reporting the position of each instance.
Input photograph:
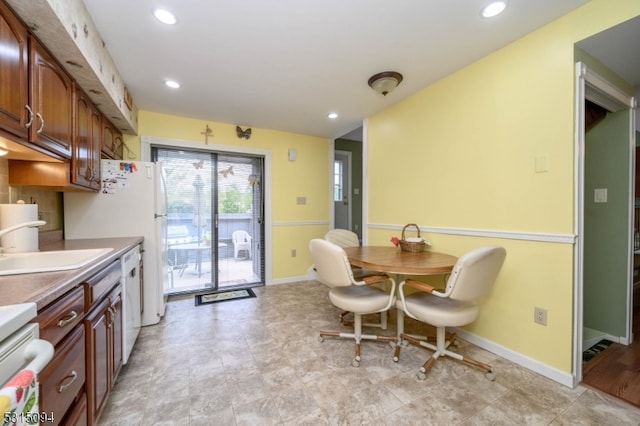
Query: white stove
(13, 317)
(19, 344)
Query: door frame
(595, 88)
(147, 141)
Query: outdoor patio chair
(241, 241)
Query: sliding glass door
(215, 215)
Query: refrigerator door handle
(156, 215)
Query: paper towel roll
(20, 240)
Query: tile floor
(259, 362)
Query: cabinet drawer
(57, 319)
(63, 378)
(78, 415)
(97, 286)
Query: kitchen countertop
(45, 287)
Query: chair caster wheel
(355, 363)
(490, 376)
(421, 375)
(396, 359)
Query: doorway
(215, 218)
(605, 164)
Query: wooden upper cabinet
(112, 143)
(51, 101)
(85, 161)
(14, 72)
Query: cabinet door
(14, 72)
(85, 161)
(97, 325)
(110, 140)
(51, 100)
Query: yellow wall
(461, 153)
(294, 225)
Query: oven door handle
(38, 352)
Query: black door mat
(223, 296)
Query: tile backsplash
(49, 202)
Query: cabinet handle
(41, 123)
(30, 121)
(89, 174)
(72, 378)
(112, 316)
(66, 320)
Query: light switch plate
(600, 195)
(542, 163)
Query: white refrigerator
(131, 202)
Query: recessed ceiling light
(172, 84)
(3, 152)
(165, 16)
(493, 9)
(332, 115)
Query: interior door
(342, 189)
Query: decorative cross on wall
(207, 132)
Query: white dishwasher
(131, 302)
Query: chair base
(357, 336)
(382, 324)
(440, 349)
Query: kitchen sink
(48, 261)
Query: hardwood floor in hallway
(616, 371)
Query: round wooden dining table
(392, 260)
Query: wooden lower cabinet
(62, 382)
(104, 350)
(85, 326)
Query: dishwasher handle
(38, 352)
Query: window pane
(337, 181)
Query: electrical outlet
(540, 316)
(293, 253)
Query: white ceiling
(285, 64)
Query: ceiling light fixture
(332, 115)
(165, 16)
(172, 84)
(493, 9)
(3, 152)
(385, 82)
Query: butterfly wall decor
(226, 172)
(243, 134)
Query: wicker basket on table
(411, 246)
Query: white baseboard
(288, 280)
(552, 373)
